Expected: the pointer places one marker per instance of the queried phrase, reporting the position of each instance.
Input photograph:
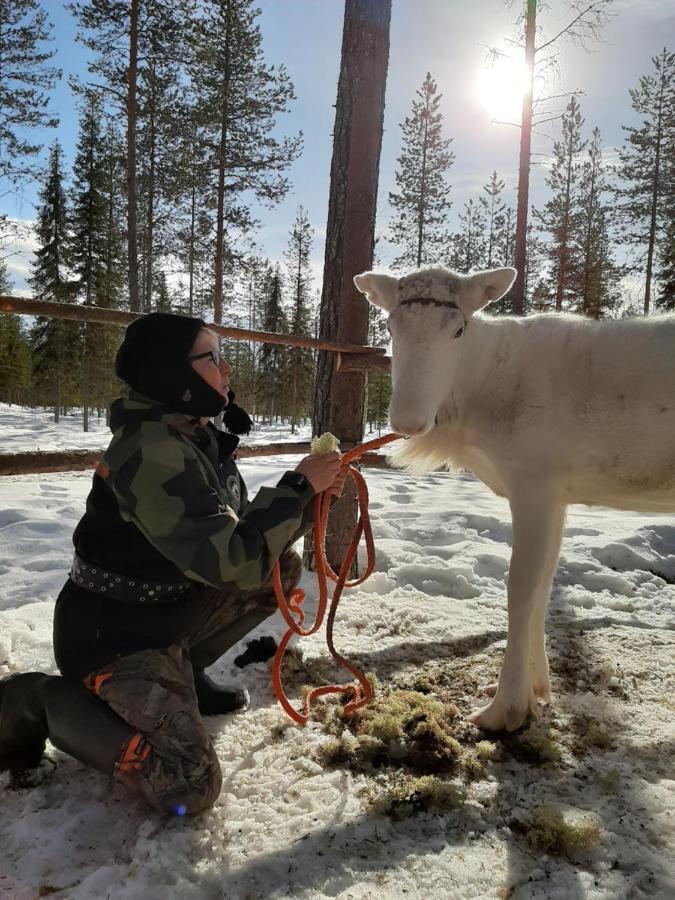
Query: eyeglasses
(214, 356)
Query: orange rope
(291, 606)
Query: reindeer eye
(459, 332)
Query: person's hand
(336, 488)
(322, 470)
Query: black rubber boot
(214, 700)
(206, 652)
(23, 725)
(84, 726)
(258, 650)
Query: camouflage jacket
(168, 503)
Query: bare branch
(577, 93)
(585, 25)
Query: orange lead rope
(291, 606)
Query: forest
(180, 134)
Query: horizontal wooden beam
(43, 461)
(27, 306)
(363, 362)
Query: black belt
(121, 587)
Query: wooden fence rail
(41, 461)
(29, 307)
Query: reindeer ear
(490, 285)
(380, 290)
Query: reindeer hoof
(542, 692)
(503, 716)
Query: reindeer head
(429, 313)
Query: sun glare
(500, 88)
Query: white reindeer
(546, 410)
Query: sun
(500, 87)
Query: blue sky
(447, 38)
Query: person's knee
(178, 785)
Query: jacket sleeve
(161, 486)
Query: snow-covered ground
(285, 826)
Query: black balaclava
(153, 360)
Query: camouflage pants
(171, 760)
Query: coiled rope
(359, 693)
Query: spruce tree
(25, 80)
(494, 211)
(596, 279)
(421, 202)
(645, 193)
(379, 383)
(239, 99)
(88, 242)
(55, 342)
(299, 284)
(272, 356)
(469, 245)
(14, 350)
(558, 215)
(15, 368)
(666, 296)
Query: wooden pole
(29, 307)
(339, 396)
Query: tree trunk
(132, 239)
(150, 220)
(655, 196)
(220, 214)
(191, 252)
(564, 241)
(518, 294)
(339, 398)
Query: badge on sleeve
(233, 488)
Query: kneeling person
(172, 567)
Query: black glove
(235, 419)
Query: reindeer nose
(409, 426)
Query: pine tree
(192, 230)
(469, 246)
(128, 37)
(422, 200)
(558, 216)
(112, 283)
(299, 284)
(583, 26)
(55, 342)
(645, 195)
(595, 281)
(163, 154)
(239, 100)
(25, 80)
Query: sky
(448, 38)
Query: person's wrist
(298, 481)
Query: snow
(283, 825)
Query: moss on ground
(550, 832)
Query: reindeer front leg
(537, 532)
